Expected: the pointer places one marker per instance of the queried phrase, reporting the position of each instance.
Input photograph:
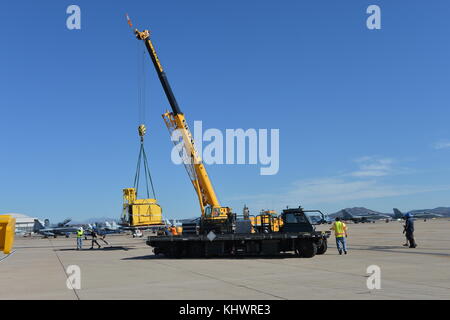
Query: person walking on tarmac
(408, 230)
(94, 239)
(340, 231)
(80, 233)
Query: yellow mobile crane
(219, 231)
(214, 216)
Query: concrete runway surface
(127, 269)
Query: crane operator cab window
(216, 212)
(208, 211)
(211, 212)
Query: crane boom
(175, 121)
(145, 36)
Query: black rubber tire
(322, 248)
(308, 249)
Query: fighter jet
(47, 230)
(103, 229)
(418, 215)
(363, 218)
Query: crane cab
(217, 213)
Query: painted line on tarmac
(8, 255)
(64, 269)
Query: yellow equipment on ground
(140, 212)
(267, 219)
(7, 229)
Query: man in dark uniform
(409, 231)
(94, 239)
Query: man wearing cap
(409, 231)
(340, 231)
(80, 238)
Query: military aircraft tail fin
(397, 214)
(37, 225)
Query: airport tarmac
(129, 270)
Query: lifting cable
(142, 129)
(141, 84)
(142, 158)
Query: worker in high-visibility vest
(340, 231)
(80, 234)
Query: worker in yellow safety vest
(340, 231)
(80, 234)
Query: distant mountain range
(357, 211)
(445, 211)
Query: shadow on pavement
(111, 248)
(405, 250)
(162, 257)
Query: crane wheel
(307, 248)
(322, 248)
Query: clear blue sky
(363, 115)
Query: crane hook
(142, 130)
